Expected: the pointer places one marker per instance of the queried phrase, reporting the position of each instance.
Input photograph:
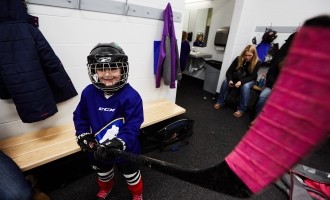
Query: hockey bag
(305, 183)
(170, 133)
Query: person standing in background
(185, 50)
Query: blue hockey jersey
(120, 115)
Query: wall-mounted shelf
(109, 6)
(279, 29)
(57, 3)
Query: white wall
(72, 34)
(251, 13)
(221, 17)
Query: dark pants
(13, 185)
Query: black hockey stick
(218, 178)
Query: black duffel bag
(169, 134)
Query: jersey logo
(109, 131)
(110, 134)
(107, 109)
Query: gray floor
(216, 132)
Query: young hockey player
(109, 115)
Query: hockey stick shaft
(211, 178)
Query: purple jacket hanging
(168, 65)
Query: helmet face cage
(92, 71)
(107, 57)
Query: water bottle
(261, 82)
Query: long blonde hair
(252, 49)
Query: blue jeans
(13, 185)
(262, 99)
(223, 93)
(244, 94)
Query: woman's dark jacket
(280, 55)
(185, 50)
(271, 76)
(243, 73)
(30, 72)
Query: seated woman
(241, 74)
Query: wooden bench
(34, 149)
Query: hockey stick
(217, 178)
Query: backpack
(267, 49)
(170, 134)
(305, 183)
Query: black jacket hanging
(30, 72)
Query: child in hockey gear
(109, 115)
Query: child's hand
(115, 143)
(87, 142)
(103, 153)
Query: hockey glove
(103, 153)
(87, 142)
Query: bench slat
(46, 155)
(36, 148)
(160, 111)
(38, 144)
(35, 135)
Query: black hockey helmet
(107, 55)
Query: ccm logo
(107, 109)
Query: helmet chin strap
(96, 78)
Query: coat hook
(298, 27)
(126, 7)
(269, 27)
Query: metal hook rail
(109, 6)
(279, 29)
